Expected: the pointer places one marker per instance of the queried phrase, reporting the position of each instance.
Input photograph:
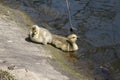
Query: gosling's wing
(59, 38)
(59, 41)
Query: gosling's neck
(73, 45)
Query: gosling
(65, 44)
(40, 35)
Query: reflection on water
(97, 23)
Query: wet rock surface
(25, 60)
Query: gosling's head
(72, 37)
(34, 30)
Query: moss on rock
(5, 75)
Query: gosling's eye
(73, 37)
(33, 28)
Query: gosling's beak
(33, 34)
